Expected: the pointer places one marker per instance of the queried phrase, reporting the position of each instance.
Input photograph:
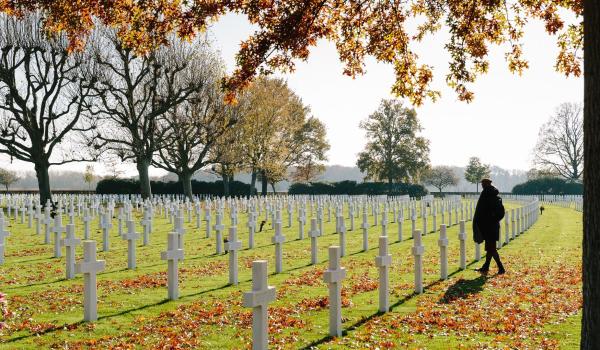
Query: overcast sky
(500, 126)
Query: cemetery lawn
(537, 304)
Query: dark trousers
(492, 253)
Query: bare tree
(8, 178)
(43, 90)
(89, 176)
(112, 166)
(133, 93)
(560, 142)
(441, 177)
(191, 129)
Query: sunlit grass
(133, 308)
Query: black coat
(484, 217)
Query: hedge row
(130, 186)
(548, 185)
(354, 188)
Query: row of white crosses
(105, 222)
(521, 219)
(262, 294)
(253, 207)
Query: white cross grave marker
(333, 277)
(86, 223)
(342, 237)
(38, 217)
(146, 227)
(251, 228)
(278, 239)
(365, 229)
(418, 251)
(400, 224)
(105, 224)
(179, 228)
(383, 262)
(232, 247)
(172, 255)
(258, 299)
(131, 236)
(443, 244)
(462, 237)
(57, 229)
(70, 243)
(89, 267)
(314, 234)
(384, 222)
(301, 222)
(3, 235)
(219, 227)
(47, 221)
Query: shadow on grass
(364, 320)
(31, 260)
(463, 288)
(120, 313)
(36, 284)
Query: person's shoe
(501, 270)
(483, 270)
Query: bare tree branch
(560, 142)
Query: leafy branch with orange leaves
(359, 28)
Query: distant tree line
(548, 185)
(354, 188)
(131, 186)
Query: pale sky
(500, 126)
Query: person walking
(486, 224)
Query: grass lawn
(535, 305)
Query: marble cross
(232, 247)
(89, 267)
(383, 261)
(333, 277)
(418, 250)
(57, 229)
(172, 255)
(131, 236)
(70, 243)
(258, 299)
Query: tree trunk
(253, 183)
(186, 182)
(273, 187)
(590, 328)
(477, 187)
(41, 172)
(390, 185)
(225, 185)
(142, 167)
(264, 182)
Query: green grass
(535, 305)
